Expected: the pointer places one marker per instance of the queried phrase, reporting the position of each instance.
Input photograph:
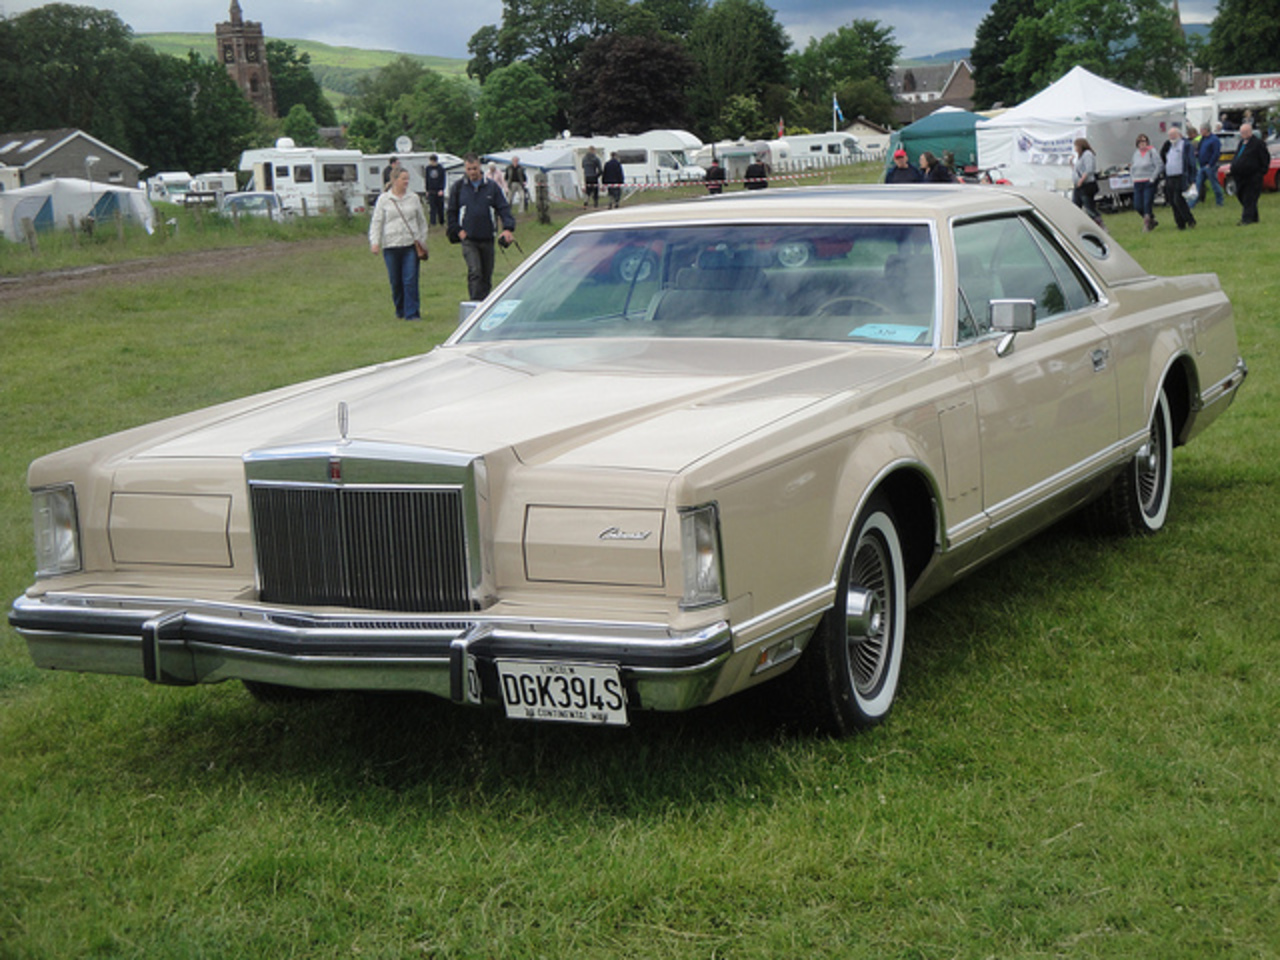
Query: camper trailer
(209, 188)
(736, 155)
(168, 187)
(823, 149)
(658, 156)
(372, 165)
(308, 179)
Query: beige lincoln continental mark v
(685, 449)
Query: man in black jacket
(474, 202)
(613, 178)
(1248, 167)
(434, 176)
(591, 170)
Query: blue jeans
(1211, 176)
(402, 271)
(1144, 196)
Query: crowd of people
(1187, 167)
(479, 207)
(1190, 171)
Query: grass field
(1083, 761)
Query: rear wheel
(848, 676)
(1138, 500)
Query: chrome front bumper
(185, 643)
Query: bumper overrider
(455, 656)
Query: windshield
(842, 282)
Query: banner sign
(1257, 90)
(1055, 151)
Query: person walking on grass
(474, 203)
(1248, 168)
(1208, 155)
(1179, 169)
(1144, 171)
(397, 226)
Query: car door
(1047, 406)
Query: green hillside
(336, 68)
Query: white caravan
(658, 156)
(824, 149)
(168, 187)
(372, 165)
(310, 179)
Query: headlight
(700, 549)
(57, 530)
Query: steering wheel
(831, 307)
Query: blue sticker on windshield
(495, 317)
(889, 332)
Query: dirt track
(13, 289)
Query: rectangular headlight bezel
(701, 557)
(56, 524)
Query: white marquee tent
(1032, 142)
(48, 205)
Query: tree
(440, 111)
(629, 84)
(1134, 42)
(547, 34)
(740, 49)
(61, 67)
(867, 97)
(993, 46)
(674, 17)
(1245, 37)
(863, 49)
(854, 62)
(301, 127)
(293, 83)
(372, 126)
(516, 107)
(222, 120)
(69, 66)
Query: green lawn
(1083, 761)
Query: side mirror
(1011, 317)
(465, 309)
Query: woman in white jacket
(397, 227)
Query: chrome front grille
(376, 547)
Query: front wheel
(847, 678)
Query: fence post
(120, 226)
(71, 225)
(29, 228)
(542, 202)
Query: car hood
(638, 404)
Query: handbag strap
(396, 203)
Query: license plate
(567, 692)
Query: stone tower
(244, 53)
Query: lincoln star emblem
(617, 533)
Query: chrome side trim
(1224, 388)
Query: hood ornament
(344, 420)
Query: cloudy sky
(442, 27)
